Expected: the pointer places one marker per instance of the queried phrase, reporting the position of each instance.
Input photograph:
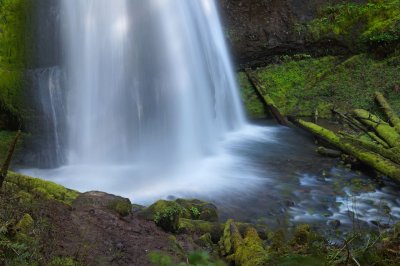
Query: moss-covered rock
(205, 241)
(168, 218)
(247, 251)
(200, 227)
(198, 210)
(39, 188)
(190, 209)
(122, 206)
(25, 225)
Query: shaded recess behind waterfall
(139, 81)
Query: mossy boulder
(24, 185)
(96, 199)
(168, 218)
(247, 251)
(121, 205)
(198, 210)
(205, 241)
(301, 234)
(190, 209)
(25, 225)
(200, 227)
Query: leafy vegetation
(168, 218)
(372, 24)
(13, 22)
(300, 87)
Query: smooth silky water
(148, 108)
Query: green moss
(359, 25)
(252, 252)
(62, 261)
(253, 106)
(168, 217)
(200, 227)
(198, 210)
(6, 137)
(25, 225)
(247, 251)
(122, 206)
(13, 40)
(205, 241)
(385, 131)
(296, 259)
(190, 209)
(41, 188)
(300, 87)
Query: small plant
(168, 218)
(194, 212)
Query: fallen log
(376, 161)
(7, 161)
(383, 129)
(276, 114)
(356, 125)
(390, 113)
(247, 251)
(390, 154)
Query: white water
(152, 101)
(149, 82)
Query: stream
(264, 174)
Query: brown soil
(96, 235)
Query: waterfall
(152, 108)
(148, 82)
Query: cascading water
(152, 110)
(148, 81)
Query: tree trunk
(376, 161)
(383, 129)
(7, 161)
(276, 114)
(393, 117)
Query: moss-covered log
(365, 156)
(276, 114)
(391, 154)
(383, 129)
(390, 113)
(7, 161)
(358, 126)
(247, 251)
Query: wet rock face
(260, 30)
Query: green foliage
(253, 106)
(299, 87)
(13, 22)
(195, 213)
(168, 218)
(11, 250)
(198, 258)
(376, 22)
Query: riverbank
(46, 224)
